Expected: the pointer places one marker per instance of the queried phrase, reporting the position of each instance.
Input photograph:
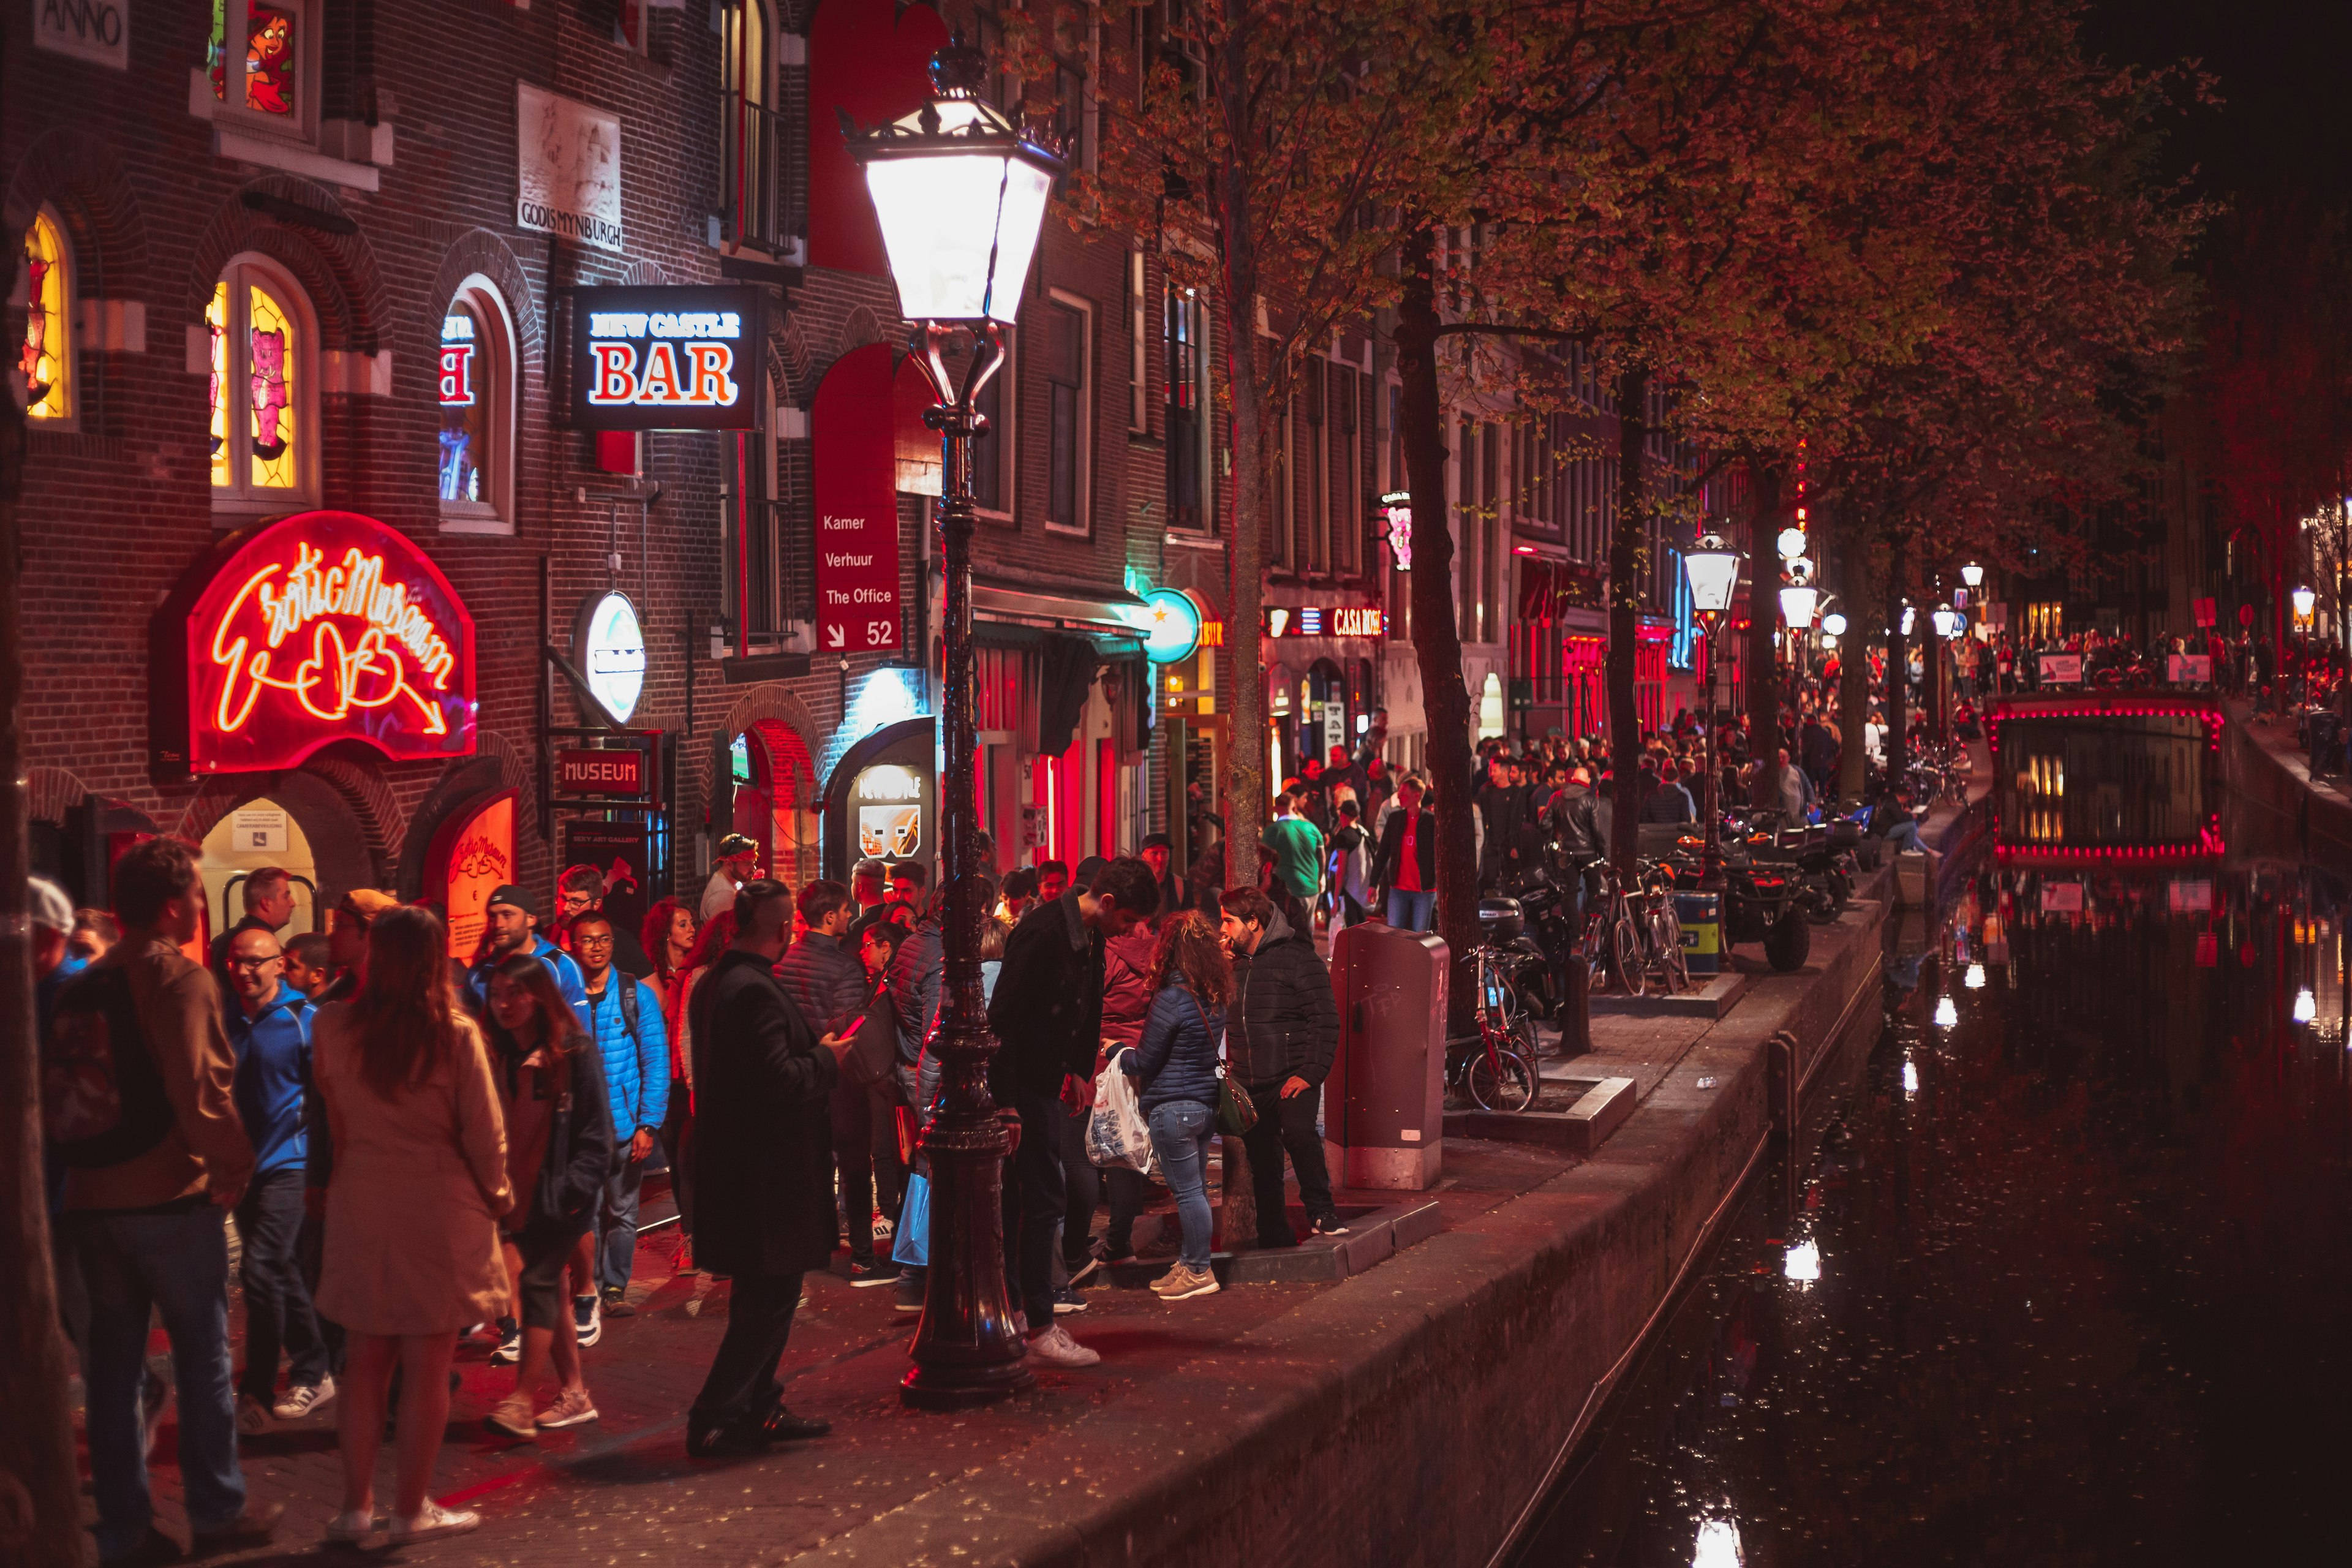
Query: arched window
(264, 395)
(46, 357)
(476, 384)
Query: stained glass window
(467, 367)
(217, 317)
(268, 47)
(270, 369)
(46, 357)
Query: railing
(753, 206)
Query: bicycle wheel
(1666, 931)
(1502, 1082)
(1625, 954)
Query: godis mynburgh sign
(683, 358)
(293, 635)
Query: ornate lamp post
(1713, 571)
(961, 194)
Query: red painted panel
(856, 505)
(872, 64)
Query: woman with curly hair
(1176, 1065)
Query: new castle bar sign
(666, 359)
(318, 628)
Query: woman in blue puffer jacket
(1176, 1064)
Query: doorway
(261, 833)
(773, 800)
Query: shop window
(45, 359)
(475, 383)
(1069, 354)
(263, 397)
(263, 59)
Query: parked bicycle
(1494, 1067)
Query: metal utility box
(1384, 1114)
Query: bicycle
(1489, 1068)
(1637, 934)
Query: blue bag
(911, 1242)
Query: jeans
(1411, 911)
(616, 1223)
(1902, 836)
(1285, 1126)
(1083, 1188)
(277, 1312)
(677, 1144)
(861, 1126)
(175, 1263)
(1181, 1129)
(1034, 1199)
(740, 1391)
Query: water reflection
(2063, 1281)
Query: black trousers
(1285, 1126)
(865, 1161)
(1034, 1202)
(741, 1390)
(678, 1140)
(1127, 1190)
(277, 1314)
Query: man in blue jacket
(508, 929)
(270, 1030)
(625, 1018)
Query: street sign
(2188, 669)
(2061, 668)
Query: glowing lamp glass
(1946, 620)
(2306, 1006)
(1797, 602)
(1718, 1545)
(1803, 1262)
(2304, 601)
(1791, 543)
(1948, 1013)
(1972, 574)
(1714, 572)
(1976, 977)
(1910, 619)
(1834, 623)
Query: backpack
(103, 1100)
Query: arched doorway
(770, 796)
(260, 833)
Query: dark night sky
(2285, 125)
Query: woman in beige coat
(419, 1180)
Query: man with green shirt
(1296, 845)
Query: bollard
(1575, 1005)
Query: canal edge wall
(1413, 1414)
(2256, 772)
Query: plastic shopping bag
(911, 1242)
(1118, 1137)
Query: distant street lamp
(961, 195)
(1713, 570)
(1791, 543)
(1972, 574)
(1948, 622)
(1834, 623)
(2306, 601)
(1797, 601)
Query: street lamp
(1948, 622)
(1834, 623)
(1797, 601)
(961, 195)
(1791, 543)
(1713, 570)
(2304, 602)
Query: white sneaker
(301, 1400)
(1054, 1347)
(431, 1521)
(351, 1525)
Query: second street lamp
(961, 194)
(1712, 568)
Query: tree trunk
(1898, 669)
(40, 1522)
(1245, 798)
(1627, 544)
(1854, 670)
(1767, 480)
(1436, 640)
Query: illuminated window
(261, 396)
(474, 381)
(46, 357)
(262, 57)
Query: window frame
(301, 127)
(1139, 371)
(1184, 333)
(68, 422)
(496, 515)
(1082, 437)
(1004, 429)
(241, 497)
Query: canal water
(2058, 1271)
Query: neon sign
(318, 628)
(666, 359)
(458, 346)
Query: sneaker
(616, 1302)
(509, 1349)
(1066, 1301)
(431, 1521)
(1183, 1283)
(1055, 1348)
(910, 1294)
(303, 1398)
(588, 1320)
(512, 1417)
(351, 1527)
(252, 1415)
(883, 1228)
(1330, 1225)
(873, 1271)
(1084, 1269)
(572, 1408)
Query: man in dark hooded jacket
(1284, 1027)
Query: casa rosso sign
(665, 358)
(318, 628)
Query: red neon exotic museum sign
(318, 628)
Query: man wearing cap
(507, 931)
(739, 862)
(1175, 893)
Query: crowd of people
(415, 1150)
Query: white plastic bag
(1118, 1136)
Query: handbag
(1235, 1113)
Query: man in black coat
(825, 980)
(1283, 1028)
(763, 1169)
(1046, 1015)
